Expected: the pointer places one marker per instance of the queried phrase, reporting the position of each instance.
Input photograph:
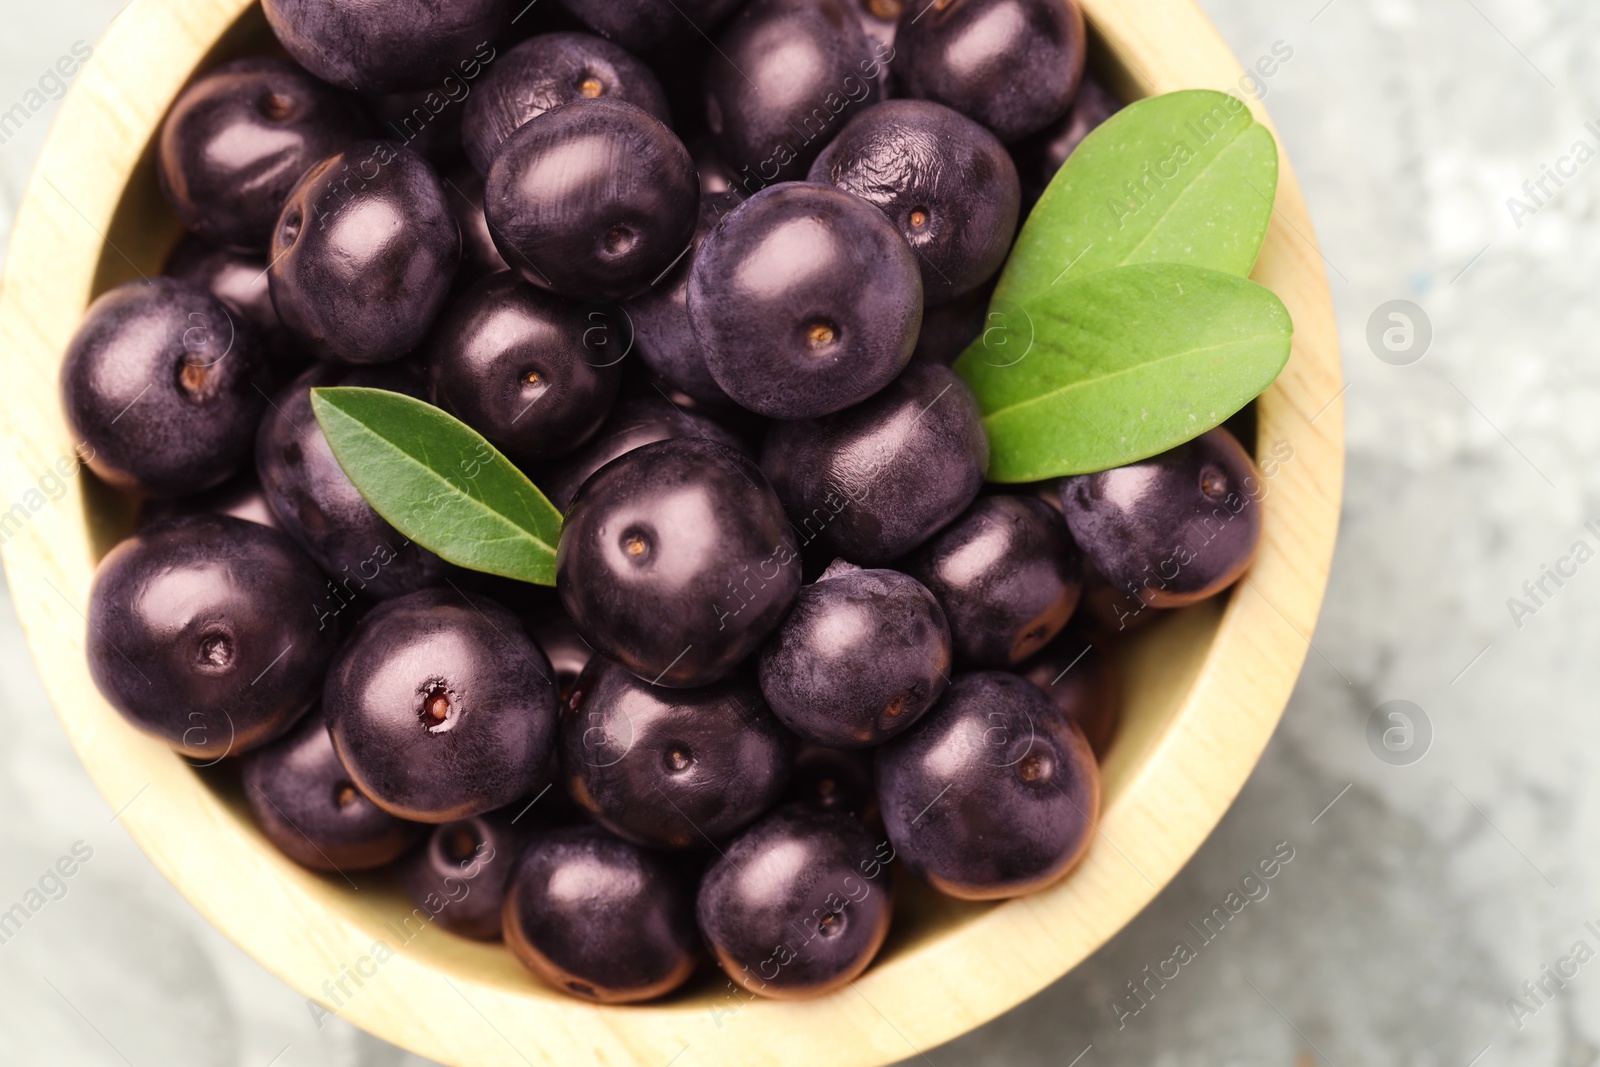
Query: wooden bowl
(1205, 687)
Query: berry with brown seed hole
(859, 659)
(441, 706)
(202, 632)
(993, 794)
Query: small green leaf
(439, 482)
(1120, 365)
(1187, 177)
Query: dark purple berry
(880, 19)
(1041, 155)
(948, 329)
(805, 300)
(594, 199)
(1007, 575)
(833, 779)
(427, 121)
(1012, 65)
(533, 372)
(388, 46)
(1107, 611)
(463, 188)
(716, 176)
(600, 918)
(240, 497)
(567, 651)
(943, 181)
(320, 507)
(237, 140)
(859, 659)
(202, 631)
(786, 75)
(239, 280)
(305, 803)
(660, 316)
(440, 706)
(1173, 529)
(544, 72)
(993, 794)
(875, 481)
(676, 561)
(799, 904)
(635, 421)
(1080, 678)
(673, 768)
(162, 387)
(652, 25)
(364, 253)
(460, 874)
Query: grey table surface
(1422, 900)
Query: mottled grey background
(1415, 905)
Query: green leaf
(1187, 177)
(1120, 365)
(439, 482)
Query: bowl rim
(923, 996)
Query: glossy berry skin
(364, 253)
(834, 779)
(240, 497)
(651, 25)
(805, 300)
(948, 329)
(602, 919)
(237, 140)
(677, 562)
(875, 481)
(663, 334)
(427, 121)
(1174, 529)
(305, 803)
(317, 504)
(440, 706)
(1041, 155)
(202, 633)
(1081, 680)
(161, 386)
(635, 421)
(1107, 611)
(239, 280)
(545, 72)
(716, 175)
(594, 199)
(533, 372)
(460, 874)
(993, 794)
(880, 18)
(671, 768)
(799, 904)
(789, 74)
(463, 188)
(1012, 65)
(944, 182)
(859, 659)
(1007, 575)
(388, 46)
(568, 653)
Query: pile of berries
(699, 268)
